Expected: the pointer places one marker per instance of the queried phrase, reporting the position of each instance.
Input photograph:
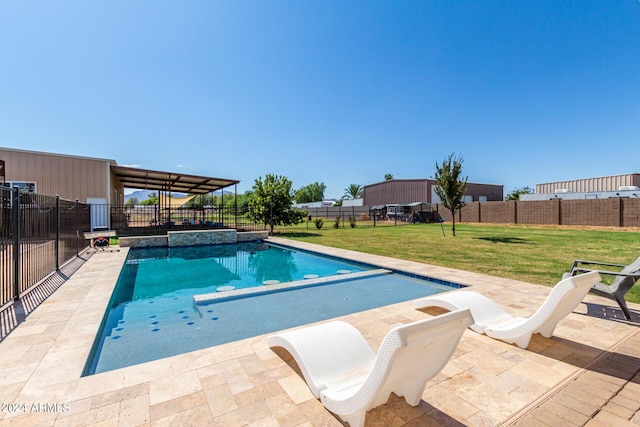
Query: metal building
(422, 190)
(605, 183)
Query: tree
(270, 202)
(353, 191)
(226, 199)
(515, 194)
(152, 200)
(200, 201)
(451, 186)
(131, 203)
(310, 193)
(388, 177)
(242, 200)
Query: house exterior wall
(70, 177)
(605, 183)
(419, 190)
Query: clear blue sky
(338, 92)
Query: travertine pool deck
(586, 374)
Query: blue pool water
(153, 315)
(202, 269)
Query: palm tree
(353, 191)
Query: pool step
(203, 299)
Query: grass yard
(534, 254)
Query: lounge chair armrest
(613, 273)
(581, 261)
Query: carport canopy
(168, 181)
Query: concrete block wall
(630, 213)
(599, 212)
(613, 212)
(498, 212)
(542, 212)
(470, 213)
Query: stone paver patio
(587, 374)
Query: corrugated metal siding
(73, 178)
(494, 193)
(397, 191)
(419, 190)
(605, 183)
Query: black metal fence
(141, 220)
(37, 235)
(327, 217)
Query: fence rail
(38, 233)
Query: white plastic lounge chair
(623, 282)
(490, 319)
(343, 372)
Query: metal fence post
(270, 218)
(57, 242)
(235, 203)
(77, 227)
(16, 243)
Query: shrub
(318, 222)
(352, 221)
(336, 224)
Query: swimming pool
(155, 310)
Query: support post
(16, 242)
(222, 207)
(57, 242)
(77, 227)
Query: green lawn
(535, 254)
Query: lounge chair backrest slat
(562, 300)
(626, 282)
(412, 353)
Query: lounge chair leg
(623, 305)
(412, 393)
(355, 419)
(547, 330)
(523, 341)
